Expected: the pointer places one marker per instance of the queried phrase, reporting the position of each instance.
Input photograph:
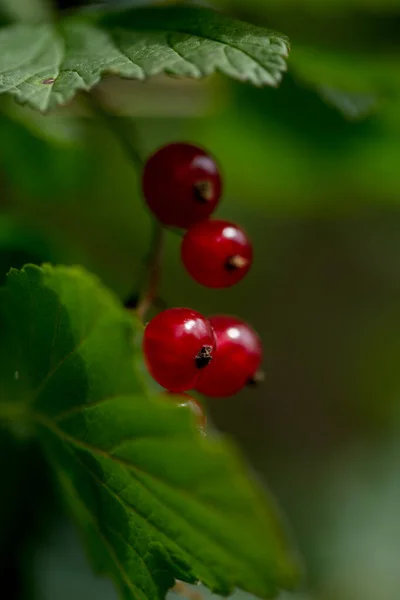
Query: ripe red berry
(194, 405)
(216, 253)
(177, 344)
(181, 184)
(236, 361)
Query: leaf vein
(142, 73)
(129, 466)
(37, 392)
(110, 549)
(145, 518)
(172, 46)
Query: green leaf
(355, 83)
(26, 10)
(155, 500)
(325, 7)
(349, 72)
(45, 65)
(352, 105)
(43, 157)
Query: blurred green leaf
(355, 83)
(21, 243)
(10, 452)
(27, 507)
(352, 104)
(322, 6)
(347, 71)
(288, 162)
(46, 160)
(44, 65)
(26, 10)
(62, 132)
(155, 499)
(350, 52)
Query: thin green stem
(153, 261)
(120, 127)
(148, 288)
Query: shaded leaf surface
(155, 500)
(353, 105)
(45, 65)
(26, 10)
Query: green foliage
(321, 6)
(45, 65)
(26, 10)
(41, 155)
(155, 500)
(352, 104)
(349, 46)
(347, 71)
(19, 244)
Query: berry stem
(153, 262)
(128, 139)
(122, 128)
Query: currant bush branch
(153, 262)
(128, 138)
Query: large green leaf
(155, 500)
(44, 65)
(26, 10)
(321, 6)
(43, 156)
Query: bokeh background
(312, 172)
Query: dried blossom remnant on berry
(203, 191)
(204, 357)
(236, 262)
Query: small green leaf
(155, 500)
(355, 83)
(352, 105)
(44, 65)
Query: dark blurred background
(312, 172)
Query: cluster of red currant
(183, 349)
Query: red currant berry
(194, 405)
(216, 253)
(177, 344)
(236, 360)
(181, 184)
